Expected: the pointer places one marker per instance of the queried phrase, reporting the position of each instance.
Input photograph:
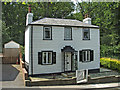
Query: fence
(10, 55)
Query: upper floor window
(47, 33)
(67, 33)
(86, 34)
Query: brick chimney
(87, 19)
(29, 18)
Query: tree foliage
(106, 15)
(14, 16)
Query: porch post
(64, 60)
(78, 60)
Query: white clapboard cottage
(55, 45)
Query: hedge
(110, 63)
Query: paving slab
(104, 72)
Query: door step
(64, 74)
(68, 75)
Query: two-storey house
(55, 45)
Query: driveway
(11, 76)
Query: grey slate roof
(61, 22)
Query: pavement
(105, 86)
(11, 76)
(88, 86)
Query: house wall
(58, 43)
(27, 43)
(1, 54)
(94, 44)
(0, 37)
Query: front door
(67, 61)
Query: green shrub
(110, 63)
(23, 52)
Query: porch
(69, 59)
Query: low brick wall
(24, 72)
(50, 82)
(106, 79)
(22, 64)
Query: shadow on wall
(9, 73)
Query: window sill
(68, 39)
(47, 39)
(85, 61)
(86, 39)
(46, 64)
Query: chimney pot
(29, 9)
(29, 18)
(87, 19)
(86, 15)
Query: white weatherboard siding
(27, 44)
(42, 45)
(57, 43)
(93, 44)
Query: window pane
(44, 57)
(86, 33)
(88, 55)
(47, 34)
(67, 33)
(84, 56)
(49, 57)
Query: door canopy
(68, 49)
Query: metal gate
(82, 76)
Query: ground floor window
(46, 57)
(86, 55)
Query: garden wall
(24, 72)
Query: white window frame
(87, 55)
(65, 37)
(44, 33)
(86, 30)
(47, 59)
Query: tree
(106, 15)
(14, 16)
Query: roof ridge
(61, 18)
(61, 22)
